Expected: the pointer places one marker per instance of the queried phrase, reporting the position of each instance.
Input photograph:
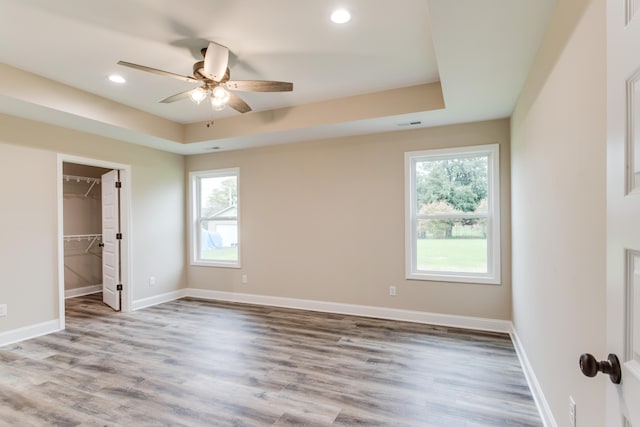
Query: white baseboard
(27, 332)
(541, 402)
(158, 299)
(477, 323)
(78, 292)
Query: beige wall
(558, 199)
(324, 221)
(28, 226)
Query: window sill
(456, 278)
(217, 264)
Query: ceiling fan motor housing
(198, 73)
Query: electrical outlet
(572, 412)
(3, 309)
(244, 279)
(392, 291)
(152, 281)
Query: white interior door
(110, 231)
(623, 208)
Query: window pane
(219, 240)
(453, 185)
(452, 245)
(215, 231)
(218, 196)
(453, 216)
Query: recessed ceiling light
(117, 79)
(340, 16)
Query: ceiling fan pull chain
(210, 122)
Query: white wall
(558, 203)
(28, 218)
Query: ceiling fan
(215, 76)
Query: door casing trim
(125, 227)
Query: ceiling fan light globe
(218, 103)
(198, 95)
(220, 94)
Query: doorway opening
(93, 230)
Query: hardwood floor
(199, 363)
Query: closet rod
(69, 237)
(87, 179)
(92, 238)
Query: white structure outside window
(453, 214)
(215, 226)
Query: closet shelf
(91, 238)
(78, 179)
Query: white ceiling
(479, 50)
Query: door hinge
(118, 236)
(118, 184)
(119, 287)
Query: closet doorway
(93, 224)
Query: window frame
(195, 179)
(493, 274)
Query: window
(453, 218)
(214, 218)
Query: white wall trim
(28, 332)
(158, 299)
(538, 396)
(85, 290)
(477, 323)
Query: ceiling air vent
(407, 124)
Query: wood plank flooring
(200, 363)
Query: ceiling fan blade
(178, 96)
(259, 86)
(216, 61)
(159, 72)
(238, 103)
